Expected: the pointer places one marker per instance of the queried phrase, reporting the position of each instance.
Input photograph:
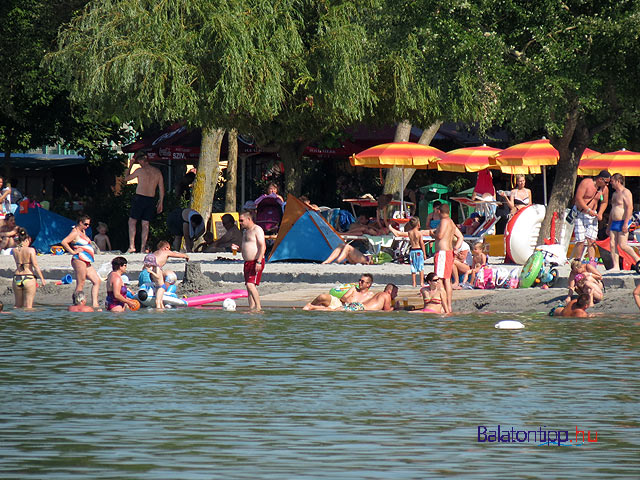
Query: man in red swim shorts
(445, 235)
(253, 250)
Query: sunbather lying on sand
(355, 296)
(349, 254)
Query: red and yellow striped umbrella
(623, 161)
(398, 154)
(468, 159)
(527, 154)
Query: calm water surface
(200, 394)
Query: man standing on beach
(253, 250)
(619, 217)
(443, 259)
(144, 207)
(355, 295)
(591, 199)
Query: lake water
(200, 394)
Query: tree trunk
(291, 154)
(7, 165)
(232, 172)
(208, 171)
(393, 178)
(571, 147)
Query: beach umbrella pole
(544, 183)
(402, 195)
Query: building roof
(42, 161)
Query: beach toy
(147, 297)
(171, 278)
(66, 280)
(509, 325)
(229, 305)
(135, 306)
(340, 290)
(531, 269)
(215, 297)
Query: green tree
(436, 62)
(570, 69)
(35, 109)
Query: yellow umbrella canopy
(397, 154)
(622, 161)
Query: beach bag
(484, 279)
(514, 278)
(501, 277)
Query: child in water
(102, 239)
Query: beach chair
(483, 229)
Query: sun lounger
(482, 229)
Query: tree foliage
(570, 70)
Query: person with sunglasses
(590, 201)
(79, 245)
(353, 299)
(434, 296)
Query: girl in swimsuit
(434, 296)
(79, 245)
(117, 300)
(433, 219)
(519, 197)
(24, 280)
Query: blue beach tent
(45, 228)
(303, 235)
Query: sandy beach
(294, 284)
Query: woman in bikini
(78, 244)
(24, 280)
(519, 197)
(434, 296)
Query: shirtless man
(591, 199)
(8, 232)
(445, 245)
(144, 206)
(232, 236)
(575, 308)
(382, 301)
(253, 250)
(79, 303)
(618, 228)
(353, 296)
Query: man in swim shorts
(144, 206)
(253, 250)
(359, 294)
(591, 199)
(619, 217)
(448, 238)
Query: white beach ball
(229, 305)
(509, 325)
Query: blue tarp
(309, 239)
(45, 228)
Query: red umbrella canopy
(398, 154)
(468, 159)
(622, 161)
